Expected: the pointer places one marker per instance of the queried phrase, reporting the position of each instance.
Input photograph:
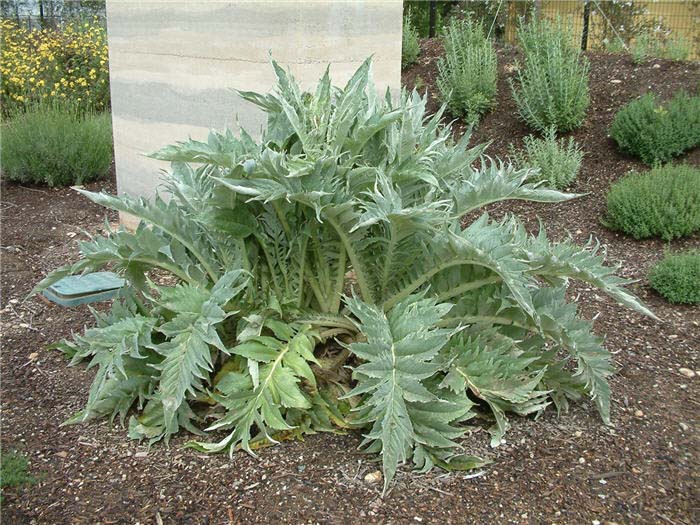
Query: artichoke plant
(319, 279)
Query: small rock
(687, 372)
(141, 454)
(683, 426)
(638, 413)
(656, 66)
(616, 81)
(374, 477)
(581, 461)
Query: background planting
(551, 88)
(410, 46)
(557, 161)
(468, 71)
(657, 132)
(57, 145)
(677, 277)
(664, 202)
(67, 64)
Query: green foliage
(658, 132)
(614, 46)
(496, 14)
(677, 277)
(56, 146)
(410, 47)
(13, 471)
(468, 70)
(664, 202)
(557, 161)
(552, 83)
(677, 48)
(410, 415)
(651, 44)
(419, 13)
(621, 21)
(320, 280)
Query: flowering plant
(69, 64)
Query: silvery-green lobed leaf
(329, 260)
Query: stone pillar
(173, 62)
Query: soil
(568, 469)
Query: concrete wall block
(173, 62)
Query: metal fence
(597, 24)
(601, 24)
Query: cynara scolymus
(319, 279)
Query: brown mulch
(570, 469)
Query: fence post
(586, 19)
(431, 19)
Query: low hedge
(677, 277)
(657, 132)
(56, 146)
(664, 202)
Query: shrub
(658, 132)
(664, 202)
(410, 47)
(57, 146)
(556, 161)
(677, 277)
(68, 64)
(677, 48)
(552, 83)
(13, 471)
(321, 279)
(644, 46)
(614, 46)
(468, 70)
(648, 44)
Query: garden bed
(565, 470)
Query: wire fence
(597, 24)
